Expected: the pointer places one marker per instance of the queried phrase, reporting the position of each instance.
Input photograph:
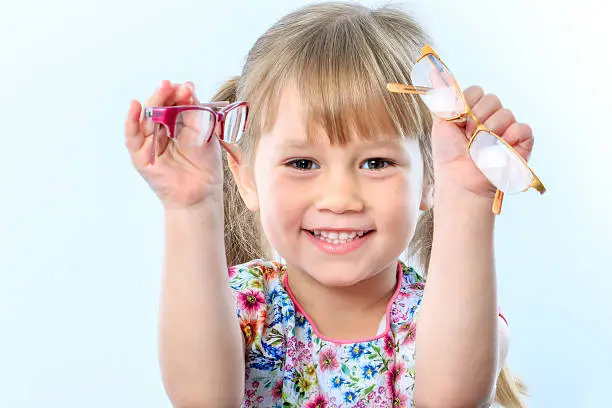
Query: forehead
(295, 118)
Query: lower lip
(338, 249)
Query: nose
(340, 192)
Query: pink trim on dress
(387, 312)
(499, 313)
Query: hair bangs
(341, 76)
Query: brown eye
(375, 164)
(303, 164)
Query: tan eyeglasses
(500, 163)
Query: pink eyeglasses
(194, 125)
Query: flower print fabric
(289, 365)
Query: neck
(345, 313)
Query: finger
(134, 138)
(182, 94)
(486, 106)
(167, 94)
(473, 94)
(194, 98)
(195, 127)
(185, 94)
(160, 97)
(500, 121)
(161, 140)
(188, 96)
(520, 137)
(161, 94)
(172, 98)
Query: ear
(427, 196)
(243, 176)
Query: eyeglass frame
(167, 115)
(461, 118)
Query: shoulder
(413, 280)
(258, 296)
(255, 284)
(263, 308)
(407, 300)
(254, 274)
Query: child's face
(305, 190)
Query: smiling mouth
(338, 237)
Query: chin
(337, 277)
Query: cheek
(397, 205)
(282, 204)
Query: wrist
(208, 211)
(449, 195)
(212, 200)
(462, 215)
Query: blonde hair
(339, 57)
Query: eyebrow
(390, 143)
(371, 144)
(297, 144)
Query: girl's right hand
(182, 178)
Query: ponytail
(509, 390)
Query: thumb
(448, 139)
(193, 99)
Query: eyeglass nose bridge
(218, 119)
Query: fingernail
(190, 85)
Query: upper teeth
(342, 236)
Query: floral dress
(288, 364)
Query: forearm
(201, 355)
(457, 337)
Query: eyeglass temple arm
(499, 195)
(148, 111)
(497, 202)
(408, 89)
(537, 184)
(217, 105)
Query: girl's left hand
(452, 161)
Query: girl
(336, 175)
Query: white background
(81, 234)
